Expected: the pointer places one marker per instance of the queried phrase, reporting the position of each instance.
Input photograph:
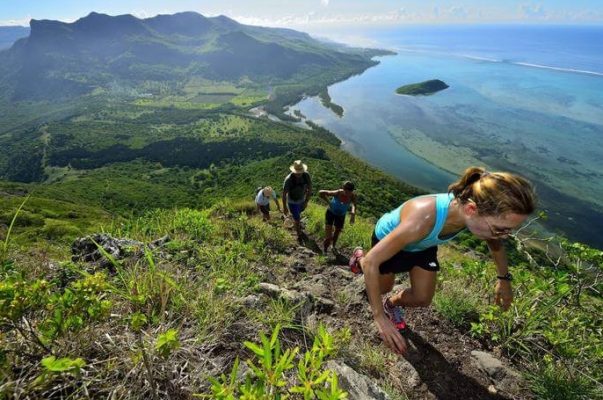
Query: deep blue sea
(528, 99)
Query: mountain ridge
(72, 59)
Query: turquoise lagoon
(533, 109)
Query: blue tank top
(338, 207)
(388, 222)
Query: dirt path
(439, 363)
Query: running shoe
(354, 263)
(395, 314)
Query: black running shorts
(332, 219)
(404, 261)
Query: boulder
(504, 378)
(358, 386)
(88, 249)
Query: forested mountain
(62, 60)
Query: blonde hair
(495, 193)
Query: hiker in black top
(297, 190)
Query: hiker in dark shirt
(297, 190)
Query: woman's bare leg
(420, 292)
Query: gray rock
(299, 266)
(159, 242)
(88, 249)
(315, 285)
(492, 366)
(323, 305)
(293, 297)
(358, 386)
(413, 379)
(251, 301)
(504, 378)
(269, 289)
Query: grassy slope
(554, 317)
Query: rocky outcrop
(104, 249)
(503, 378)
(358, 386)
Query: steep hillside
(161, 305)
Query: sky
(316, 14)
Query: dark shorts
(265, 209)
(332, 219)
(296, 210)
(404, 261)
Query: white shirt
(262, 200)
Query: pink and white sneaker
(354, 263)
(395, 314)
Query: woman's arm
(417, 220)
(275, 198)
(324, 194)
(503, 291)
(353, 209)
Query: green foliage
(167, 342)
(55, 230)
(54, 367)
(82, 300)
(273, 374)
(19, 297)
(555, 381)
(456, 305)
(554, 312)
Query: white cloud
(533, 11)
(435, 11)
(16, 22)
(324, 3)
(458, 12)
(587, 16)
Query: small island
(427, 87)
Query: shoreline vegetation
(326, 101)
(422, 88)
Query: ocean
(526, 99)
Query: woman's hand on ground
(390, 335)
(503, 294)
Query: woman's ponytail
(495, 193)
(461, 189)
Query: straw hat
(298, 167)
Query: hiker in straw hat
(262, 201)
(297, 190)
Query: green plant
(310, 373)
(457, 306)
(555, 381)
(53, 367)
(4, 250)
(167, 342)
(270, 372)
(82, 300)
